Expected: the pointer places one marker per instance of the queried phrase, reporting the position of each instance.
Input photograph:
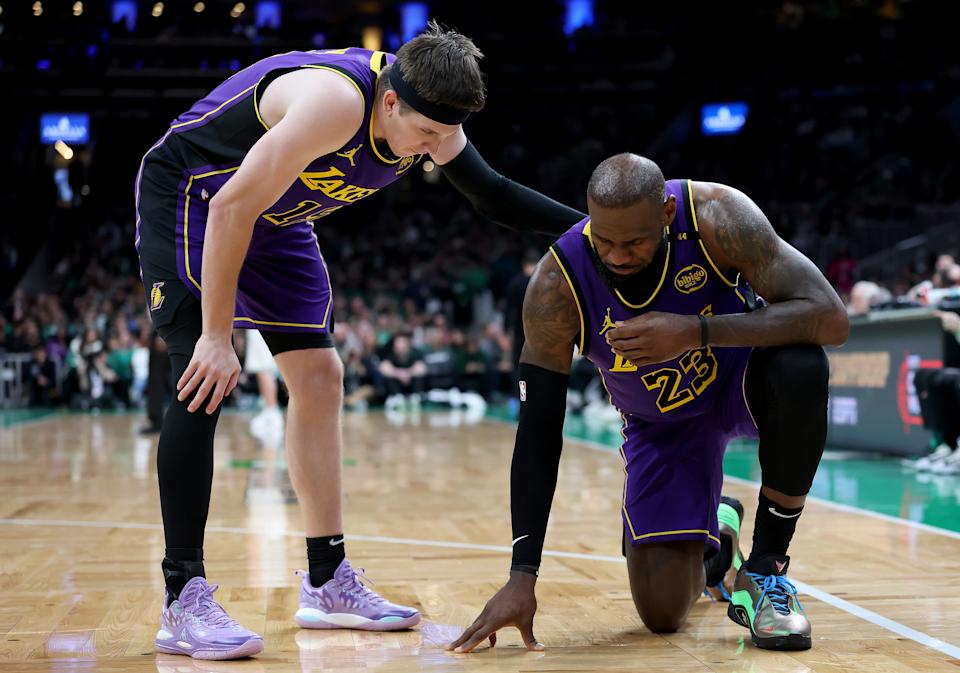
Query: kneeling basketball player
(659, 288)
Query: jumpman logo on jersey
(607, 323)
(348, 155)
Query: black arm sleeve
(536, 460)
(504, 201)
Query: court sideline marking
(849, 509)
(821, 595)
(846, 606)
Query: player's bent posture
(657, 288)
(226, 202)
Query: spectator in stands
(865, 295)
(404, 371)
(41, 376)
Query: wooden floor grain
(80, 547)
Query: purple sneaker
(197, 626)
(346, 603)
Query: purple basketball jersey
(689, 284)
(677, 415)
(284, 283)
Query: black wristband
(530, 570)
(704, 331)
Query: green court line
(876, 483)
(11, 417)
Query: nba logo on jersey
(156, 296)
(523, 391)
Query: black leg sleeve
(787, 393)
(185, 452)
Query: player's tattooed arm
(802, 306)
(551, 322)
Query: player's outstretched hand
(514, 605)
(213, 372)
(654, 337)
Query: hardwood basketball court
(427, 515)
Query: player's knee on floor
(662, 617)
(665, 580)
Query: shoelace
(210, 611)
(355, 586)
(778, 588)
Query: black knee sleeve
(787, 389)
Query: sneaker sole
(311, 618)
(793, 642)
(248, 649)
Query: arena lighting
(723, 118)
(63, 149)
(37, 8)
(72, 127)
(126, 11)
(267, 14)
(372, 38)
(428, 166)
(413, 19)
(77, 8)
(157, 9)
(1, 10)
(199, 7)
(579, 13)
(237, 10)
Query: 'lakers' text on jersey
(204, 147)
(689, 283)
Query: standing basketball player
(226, 202)
(656, 289)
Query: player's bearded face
(627, 239)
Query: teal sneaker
(766, 602)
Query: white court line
(828, 598)
(839, 603)
(850, 509)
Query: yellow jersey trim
(342, 74)
(136, 187)
(696, 228)
(216, 109)
(663, 275)
(626, 475)
(576, 301)
(256, 103)
(375, 60)
(676, 532)
(186, 220)
(186, 260)
(623, 455)
(280, 324)
(373, 142)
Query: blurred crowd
(427, 293)
(424, 307)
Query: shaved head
(624, 180)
